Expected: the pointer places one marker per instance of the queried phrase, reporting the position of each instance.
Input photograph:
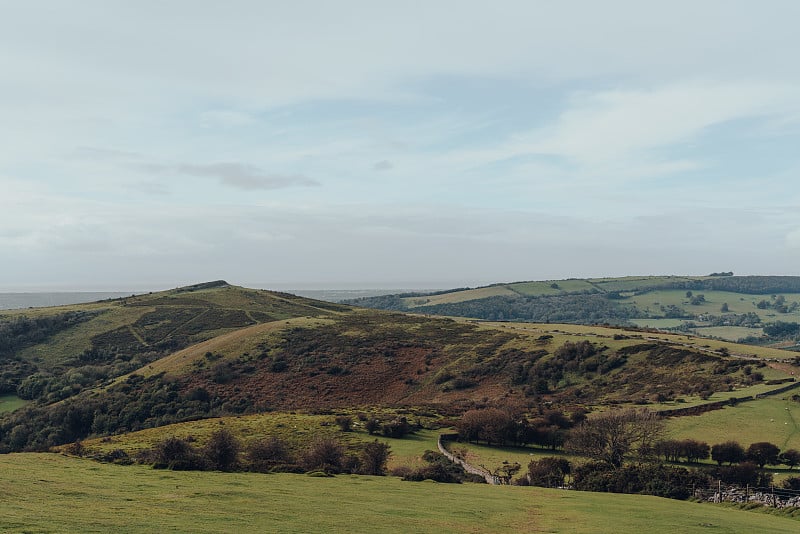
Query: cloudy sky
(315, 144)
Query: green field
(493, 457)
(458, 296)
(44, 497)
(9, 403)
(737, 303)
(775, 420)
(731, 333)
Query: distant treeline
(753, 285)
(578, 308)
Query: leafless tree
(610, 436)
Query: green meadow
(9, 403)
(45, 498)
(775, 420)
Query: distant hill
(215, 349)
(750, 308)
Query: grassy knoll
(9, 403)
(46, 497)
(775, 420)
(296, 429)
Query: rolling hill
(214, 349)
(755, 309)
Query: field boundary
(469, 468)
(718, 405)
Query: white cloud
(612, 125)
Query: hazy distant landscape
(11, 301)
(32, 299)
(751, 309)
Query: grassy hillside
(44, 498)
(125, 374)
(727, 307)
(215, 350)
(112, 337)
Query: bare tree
(609, 437)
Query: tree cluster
(610, 436)
(646, 479)
(224, 452)
(496, 426)
(674, 450)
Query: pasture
(46, 497)
(9, 403)
(776, 420)
(458, 296)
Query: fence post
(719, 490)
(747, 494)
(774, 502)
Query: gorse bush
(177, 454)
(324, 454)
(222, 450)
(265, 454)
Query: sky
(417, 144)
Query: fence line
(717, 405)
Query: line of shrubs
(731, 452)
(644, 478)
(224, 452)
(322, 457)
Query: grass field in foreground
(52, 493)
